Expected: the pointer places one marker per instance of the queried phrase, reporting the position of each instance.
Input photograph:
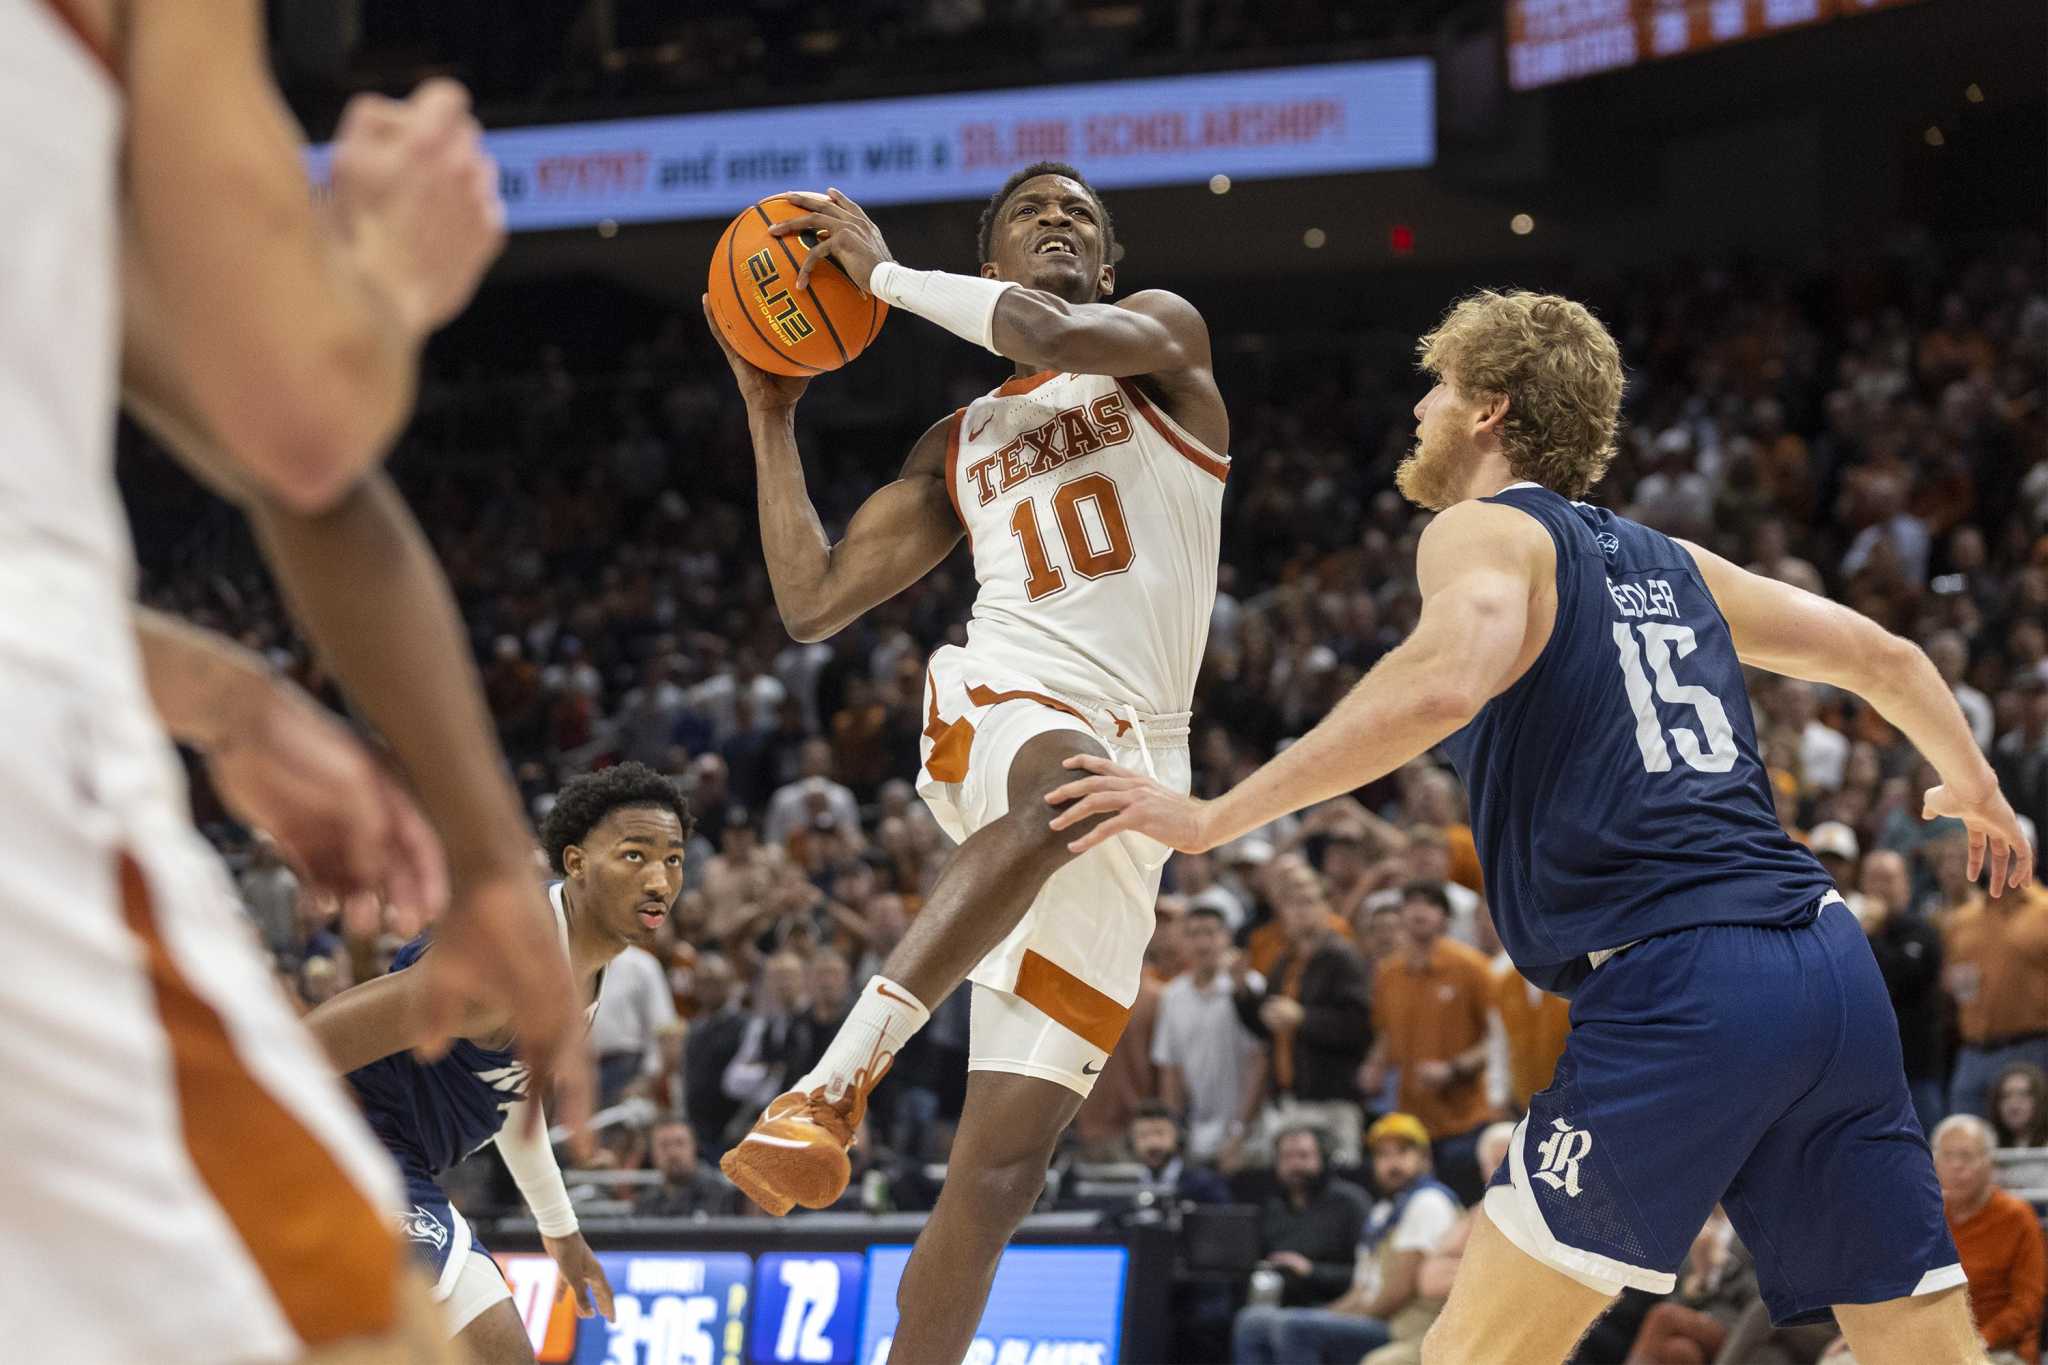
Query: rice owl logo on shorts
(1562, 1152)
(775, 301)
(422, 1226)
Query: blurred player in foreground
(1090, 490)
(169, 1129)
(1732, 1040)
(615, 838)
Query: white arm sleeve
(523, 1143)
(964, 305)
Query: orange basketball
(766, 318)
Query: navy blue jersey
(1616, 790)
(430, 1115)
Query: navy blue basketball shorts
(466, 1280)
(1755, 1068)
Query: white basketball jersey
(65, 562)
(1096, 524)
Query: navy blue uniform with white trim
(431, 1115)
(1734, 1042)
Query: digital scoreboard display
(1559, 40)
(1050, 1305)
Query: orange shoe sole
(778, 1178)
(743, 1178)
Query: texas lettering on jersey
(1068, 435)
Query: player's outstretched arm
(896, 537)
(283, 764)
(1476, 566)
(1788, 630)
(298, 342)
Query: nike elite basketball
(765, 316)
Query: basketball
(766, 318)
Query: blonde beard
(1432, 475)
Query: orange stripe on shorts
(1070, 1002)
(326, 1253)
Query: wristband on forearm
(964, 305)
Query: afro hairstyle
(584, 803)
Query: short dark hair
(584, 803)
(1207, 912)
(1315, 1132)
(1154, 1109)
(1427, 891)
(985, 231)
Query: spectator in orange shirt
(1996, 956)
(1533, 1025)
(1265, 945)
(1430, 1006)
(1999, 1239)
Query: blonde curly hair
(1558, 368)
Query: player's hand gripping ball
(770, 319)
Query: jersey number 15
(1709, 750)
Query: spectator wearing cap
(1835, 844)
(1315, 1011)
(1308, 1232)
(1194, 876)
(1908, 951)
(1431, 1003)
(1997, 970)
(1440, 1267)
(1210, 1069)
(1413, 1213)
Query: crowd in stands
(1327, 1022)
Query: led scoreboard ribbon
(1559, 40)
(1176, 130)
(1050, 1305)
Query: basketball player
(1090, 491)
(168, 1130)
(1732, 1040)
(616, 839)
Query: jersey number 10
(1112, 557)
(1718, 753)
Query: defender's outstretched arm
(1788, 630)
(1477, 565)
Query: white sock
(881, 1021)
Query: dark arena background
(1815, 228)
